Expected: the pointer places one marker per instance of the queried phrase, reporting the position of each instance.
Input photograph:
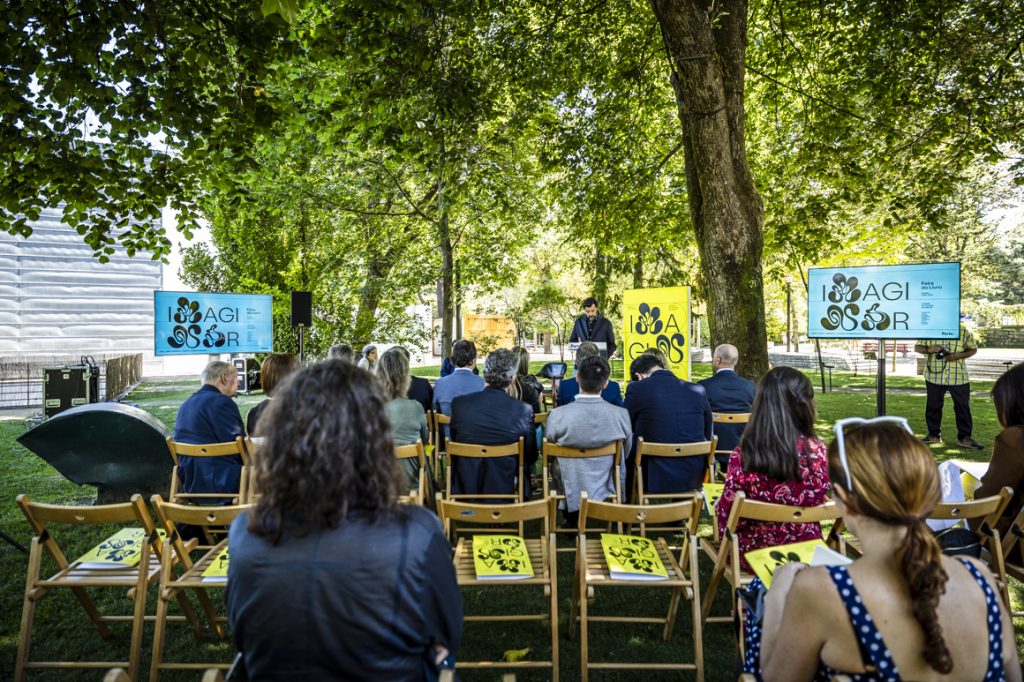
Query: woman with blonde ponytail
(903, 610)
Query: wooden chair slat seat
(542, 558)
(75, 576)
(592, 572)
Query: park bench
(870, 348)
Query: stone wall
(1002, 337)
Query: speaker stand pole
(13, 542)
(302, 345)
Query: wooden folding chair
(74, 576)
(171, 516)
(592, 571)
(235, 447)
(551, 451)
(704, 449)
(441, 462)
(1014, 538)
(541, 418)
(542, 557)
(725, 554)
(989, 510)
(416, 451)
(724, 418)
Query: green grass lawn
(62, 629)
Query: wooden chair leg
(574, 607)
(698, 625)
(28, 611)
(158, 635)
(210, 611)
(584, 653)
(716, 575)
(190, 613)
(553, 560)
(138, 616)
(673, 608)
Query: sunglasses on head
(841, 446)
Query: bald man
(728, 392)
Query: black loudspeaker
(248, 371)
(65, 387)
(302, 308)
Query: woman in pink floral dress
(779, 460)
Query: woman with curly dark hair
(904, 610)
(330, 578)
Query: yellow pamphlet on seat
(712, 491)
(631, 557)
(501, 557)
(812, 552)
(123, 549)
(217, 571)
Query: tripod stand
(13, 542)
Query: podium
(601, 346)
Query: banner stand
(880, 381)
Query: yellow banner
(657, 318)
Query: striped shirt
(948, 372)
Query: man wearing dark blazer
(729, 393)
(210, 416)
(593, 327)
(666, 409)
(569, 388)
(493, 417)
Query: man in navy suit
(493, 417)
(569, 388)
(666, 409)
(593, 327)
(210, 416)
(730, 393)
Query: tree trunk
(707, 56)
(447, 269)
(601, 275)
(638, 271)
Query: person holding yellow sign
(903, 610)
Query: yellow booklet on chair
(631, 557)
(812, 552)
(217, 571)
(121, 550)
(501, 557)
(712, 491)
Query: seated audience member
(728, 393)
(461, 381)
(274, 370)
(666, 409)
(368, 358)
(408, 421)
(526, 387)
(589, 422)
(492, 417)
(420, 389)
(210, 416)
(448, 364)
(340, 351)
(1006, 468)
(568, 388)
(330, 577)
(903, 610)
(779, 460)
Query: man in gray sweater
(589, 422)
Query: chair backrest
(235, 447)
(40, 515)
(476, 451)
(541, 418)
(415, 451)
(490, 514)
(240, 446)
(705, 449)
(730, 418)
(171, 515)
(687, 511)
(614, 449)
(753, 510)
(987, 508)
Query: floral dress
(809, 491)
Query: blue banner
(190, 323)
(884, 302)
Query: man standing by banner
(593, 327)
(945, 370)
